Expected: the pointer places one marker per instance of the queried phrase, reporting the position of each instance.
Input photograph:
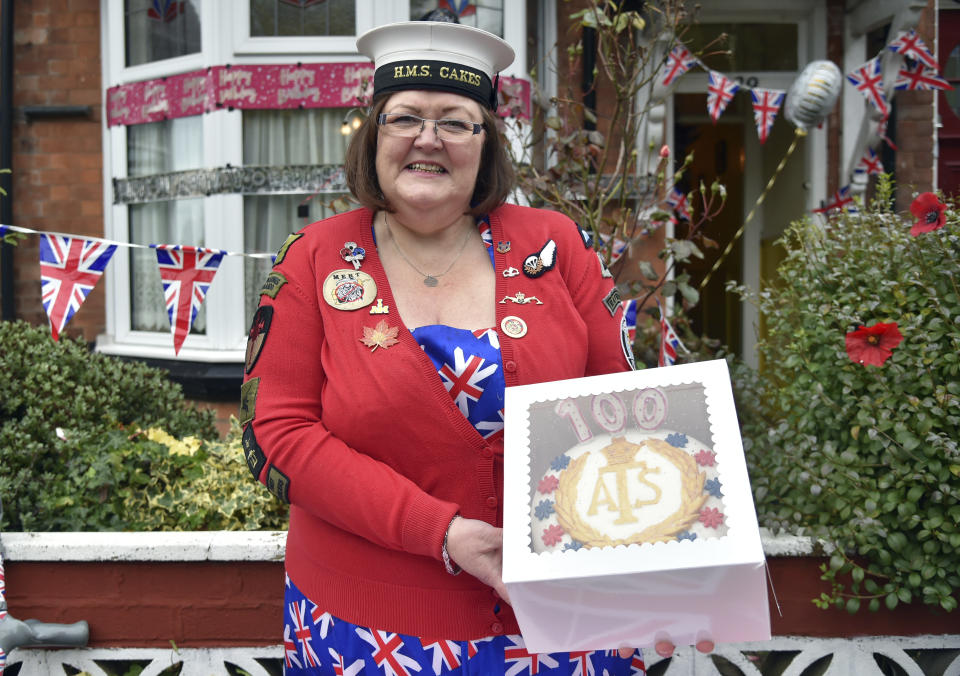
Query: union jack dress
(316, 642)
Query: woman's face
(424, 172)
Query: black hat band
(435, 75)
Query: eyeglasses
(410, 126)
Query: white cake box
(628, 515)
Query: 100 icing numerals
(649, 409)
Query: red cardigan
(368, 446)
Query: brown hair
(495, 177)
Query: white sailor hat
(436, 55)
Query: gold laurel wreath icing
(617, 491)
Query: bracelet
(448, 563)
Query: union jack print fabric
(766, 105)
(186, 273)
(630, 317)
(679, 61)
(348, 650)
(910, 45)
(720, 91)
(69, 269)
(868, 79)
(471, 369)
(918, 77)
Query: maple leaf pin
(379, 336)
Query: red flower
(548, 484)
(873, 345)
(928, 210)
(711, 517)
(706, 458)
(551, 535)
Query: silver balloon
(813, 94)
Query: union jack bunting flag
(669, 341)
(679, 61)
(677, 200)
(720, 91)
(766, 105)
(868, 80)
(842, 199)
(69, 269)
(882, 133)
(910, 45)
(614, 245)
(630, 317)
(186, 273)
(870, 163)
(918, 77)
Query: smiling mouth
(429, 168)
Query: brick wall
(57, 162)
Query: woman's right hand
(477, 547)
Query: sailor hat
(436, 55)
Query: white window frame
(225, 39)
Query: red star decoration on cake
(548, 484)
(711, 517)
(706, 458)
(552, 535)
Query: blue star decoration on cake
(560, 462)
(687, 535)
(677, 440)
(544, 509)
(574, 545)
(712, 486)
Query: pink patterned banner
(274, 87)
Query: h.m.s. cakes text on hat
(401, 71)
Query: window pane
(172, 222)
(486, 15)
(752, 46)
(302, 17)
(284, 138)
(160, 29)
(161, 147)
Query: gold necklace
(428, 280)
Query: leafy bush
(863, 456)
(67, 420)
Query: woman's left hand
(477, 547)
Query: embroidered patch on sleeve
(259, 328)
(626, 343)
(612, 300)
(536, 264)
(293, 237)
(252, 452)
(248, 400)
(278, 484)
(272, 284)
(585, 236)
(604, 270)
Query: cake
(631, 488)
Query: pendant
(430, 280)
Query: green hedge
(90, 442)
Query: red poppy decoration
(928, 210)
(873, 345)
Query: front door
(948, 103)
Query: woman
(376, 365)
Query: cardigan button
(510, 366)
(496, 628)
(485, 452)
(492, 502)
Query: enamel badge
(513, 326)
(503, 247)
(536, 264)
(352, 253)
(349, 289)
